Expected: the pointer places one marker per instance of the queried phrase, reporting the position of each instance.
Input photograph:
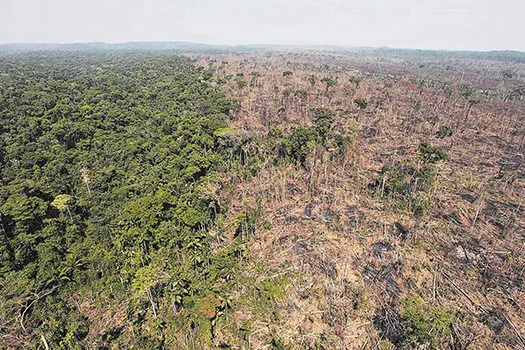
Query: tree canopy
(102, 159)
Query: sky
(422, 24)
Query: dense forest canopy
(103, 159)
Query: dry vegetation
(262, 198)
(379, 247)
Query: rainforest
(261, 198)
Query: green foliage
(405, 177)
(426, 324)
(444, 131)
(247, 222)
(466, 91)
(508, 73)
(275, 133)
(304, 139)
(343, 143)
(302, 94)
(273, 290)
(103, 156)
(299, 93)
(329, 82)
(323, 119)
(356, 79)
(240, 80)
(287, 73)
(431, 154)
(406, 183)
(301, 142)
(278, 344)
(312, 79)
(361, 103)
(516, 93)
(242, 149)
(224, 265)
(61, 201)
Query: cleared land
(262, 198)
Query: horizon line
(289, 45)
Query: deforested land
(185, 196)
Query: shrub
(312, 80)
(361, 103)
(241, 82)
(431, 154)
(404, 178)
(302, 94)
(444, 131)
(426, 324)
(344, 142)
(329, 82)
(356, 79)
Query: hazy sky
(434, 24)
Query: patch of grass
(272, 290)
(431, 154)
(426, 324)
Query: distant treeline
(498, 55)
